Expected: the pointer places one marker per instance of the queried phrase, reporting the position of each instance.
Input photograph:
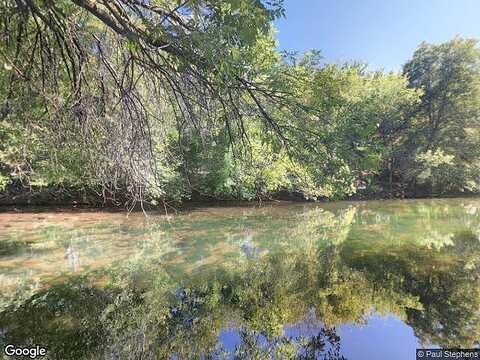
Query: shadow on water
(280, 300)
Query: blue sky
(383, 33)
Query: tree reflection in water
(144, 310)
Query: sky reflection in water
(358, 280)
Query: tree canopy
(169, 100)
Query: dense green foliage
(152, 101)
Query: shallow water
(355, 280)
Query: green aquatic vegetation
(10, 247)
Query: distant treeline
(134, 102)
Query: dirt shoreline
(43, 201)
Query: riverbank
(52, 198)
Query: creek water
(346, 280)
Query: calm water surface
(348, 280)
